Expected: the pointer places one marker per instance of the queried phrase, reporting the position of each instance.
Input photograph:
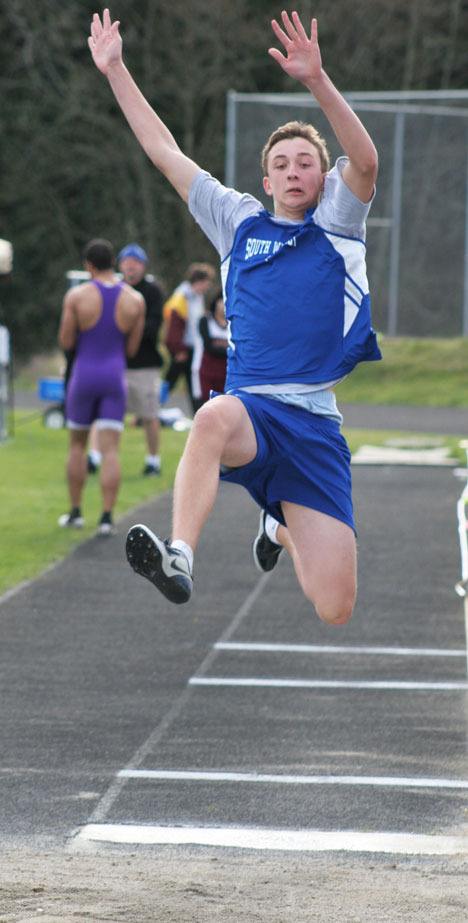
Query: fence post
(465, 276)
(394, 270)
(231, 127)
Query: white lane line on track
(338, 649)
(297, 840)
(272, 683)
(114, 790)
(191, 775)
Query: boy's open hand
(105, 42)
(303, 60)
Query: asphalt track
(239, 720)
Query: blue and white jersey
(297, 295)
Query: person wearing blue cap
(143, 368)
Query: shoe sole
(255, 545)
(144, 554)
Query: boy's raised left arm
(303, 61)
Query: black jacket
(148, 355)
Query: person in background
(211, 357)
(182, 314)
(6, 257)
(102, 320)
(143, 368)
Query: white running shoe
(71, 521)
(105, 525)
(166, 567)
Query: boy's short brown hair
(297, 130)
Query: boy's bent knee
(333, 609)
(214, 422)
(225, 424)
(335, 616)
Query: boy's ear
(267, 185)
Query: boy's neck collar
(306, 217)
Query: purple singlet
(97, 389)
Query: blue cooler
(51, 389)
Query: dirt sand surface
(199, 886)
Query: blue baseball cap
(133, 250)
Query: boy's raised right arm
(105, 44)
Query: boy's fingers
(277, 55)
(298, 25)
(288, 25)
(280, 35)
(96, 27)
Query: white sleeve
(219, 211)
(339, 210)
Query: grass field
(33, 490)
(430, 373)
(33, 494)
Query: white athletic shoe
(105, 525)
(70, 521)
(166, 567)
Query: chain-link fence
(417, 237)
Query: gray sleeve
(219, 211)
(339, 210)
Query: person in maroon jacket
(182, 314)
(213, 329)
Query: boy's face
(294, 178)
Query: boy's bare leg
(323, 550)
(222, 434)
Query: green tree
(70, 167)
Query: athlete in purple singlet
(102, 320)
(97, 385)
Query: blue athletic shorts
(301, 458)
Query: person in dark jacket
(143, 368)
